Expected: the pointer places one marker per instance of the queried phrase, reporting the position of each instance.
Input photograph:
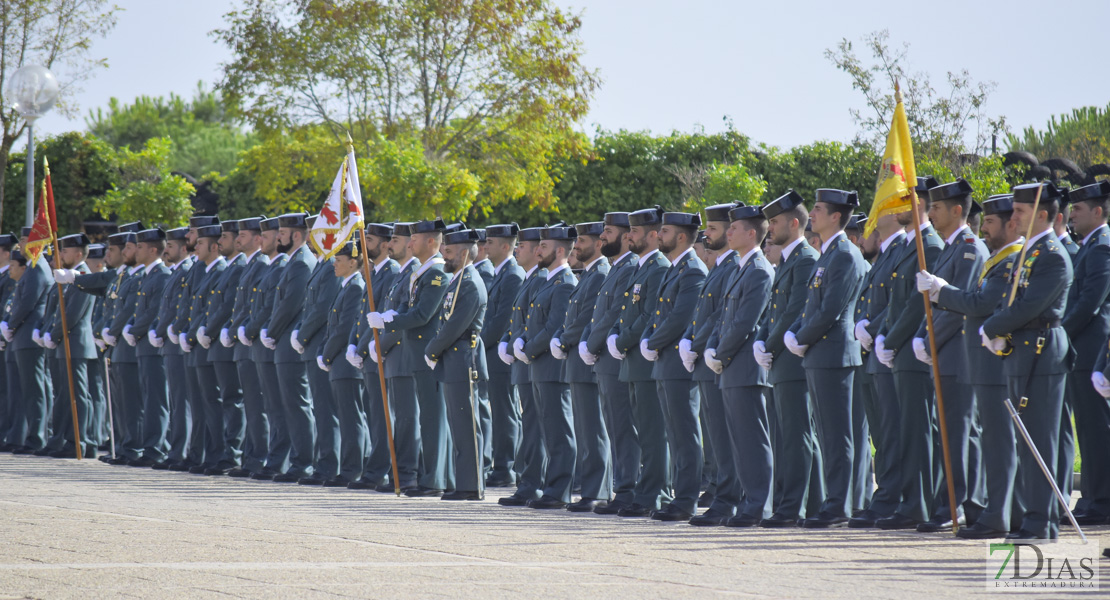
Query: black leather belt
(1041, 324)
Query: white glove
(170, 332)
(388, 315)
(921, 352)
(108, 338)
(1102, 386)
(762, 356)
(293, 341)
(202, 337)
(36, 336)
(372, 349)
(611, 342)
(864, 336)
(184, 343)
(689, 365)
(353, 357)
(711, 361)
(927, 282)
(792, 344)
(649, 354)
(152, 337)
(242, 335)
(375, 320)
(518, 351)
(556, 348)
(995, 344)
(503, 353)
(128, 337)
(100, 344)
(267, 341)
(64, 276)
(48, 341)
(6, 331)
(585, 355)
(885, 356)
(431, 363)
(225, 338)
(320, 363)
(686, 352)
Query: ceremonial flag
(342, 214)
(897, 175)
(45, 226)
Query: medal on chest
(1027, 269)
(447, 300)
(817, 276)
(636, 293)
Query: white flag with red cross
(342, 213)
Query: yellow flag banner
(897, 175)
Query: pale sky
(673, 64)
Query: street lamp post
(33, 90)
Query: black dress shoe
(461, 495)
(161, 466)
(825, 520)
(710, 518)
(583, 505)
(670, 514)
(939, 524)
(423, 492)
(500, 480)
(23, 450)
(979, 531)
(864, 519)
(145, 463)
(217, 470)
(613, 507)
(6, 447)
(547, 502)
(897, 521)
(387, 488)
(264, 475)
(180, 467)
(743, 521)
(779, 521)
(313, 480)
(239, 472)
(44, 451)
(361, 484)
(706, 500)
(635, 510)
(64, 453)
(104, 458)
(514, 500)
(337, 481)
(119, 460)
(289, 477)
(197, 470)
(1023, 535)
(1087, 518)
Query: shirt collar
(910, 234)
(1063, 236)
(787, 249)
(253, 254)
(825, 245)
(551, 274)
(497, 269)
(744, 259)
(278, 256)
(1015, 242)
(1094, 231)
(594, 262)
(409, 262)
(1033, 240)
(530, 271)
(152, 265)
(121, 269)
(348, 278)
(724, 256)
(645, 258)
(4, 269)
(890, 240)
(952, 238)
(621, 257)
(135, 269)
(683, 255)
(208, 268)
(381, 265)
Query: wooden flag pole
(936, 362)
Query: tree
(818, 165)
(945, 124)
(146, 190)
(1082, 137)
(57, 34)
(491, 86)
(987, 175)
(206, 137)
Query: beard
(638, 247)
(715, 244)
(668, 247)
(374, 253)
(611, 249)
(284, 248)
(190, 247)
(869, 254)
(546, 261)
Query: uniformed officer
(290, 293)
(383, 277)
(1060, 227)
(863, 477)
(822, 336)
(616, 401)
(729, 353)
(799, 455)
(594, 468)
(913, 384)
(457, 359)
(680, 401)
(528, 463)
(960, 263)
(307, 338)
(7, 243)
(151, 243)
(344, 314)
(878, 392)
(482, 263)
(98, 420)
(726, 491)
(208, 414)
(1041, 356)
(637, 311)
(557, 450)
(1087, 321)
(416, 319)
(180, 262)
(130, 411)
(252, 412)
(988, 378)
(504, 404)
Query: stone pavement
(89, 530)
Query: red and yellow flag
(45, 226)
(897, 175)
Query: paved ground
(88, 530)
